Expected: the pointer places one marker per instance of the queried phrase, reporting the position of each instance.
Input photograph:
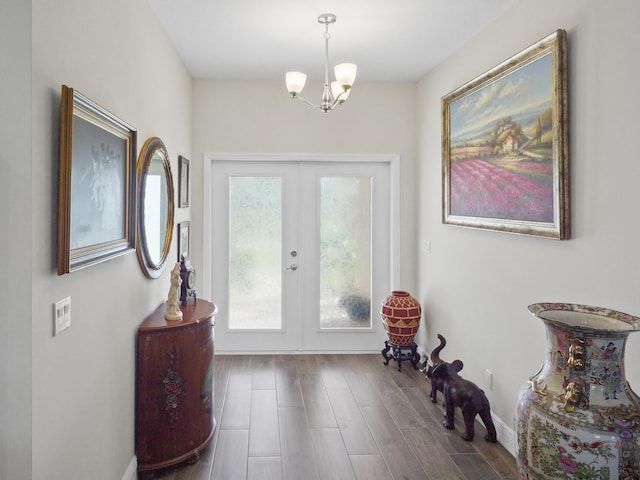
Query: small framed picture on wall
(183, 182)
(183, 240)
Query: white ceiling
(389, 40)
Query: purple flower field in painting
(483, 189)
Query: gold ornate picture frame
(97, 184)
(505, 161)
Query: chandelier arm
(338, 97)
(300, 97)
(324, 107)
(337, 101)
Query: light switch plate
(488, 379)
(61, 315)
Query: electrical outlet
(488, 379)
(61, 315)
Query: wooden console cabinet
(174, 387)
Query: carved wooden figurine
(436, 383)
(462, 393)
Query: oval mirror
(155, 207)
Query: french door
(300, 253)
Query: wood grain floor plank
(264, 468)
(316, 402)
(474, 467)
(263, 372)
(405, 377)
(356, 434)
(330, 367)
(230, 460)
(358, 362)
(363, 392)
(433, 416)
(370, 467)
(431, 413)
(264, 431)
(400, 409)
(306, 363)
(298, 459)
(221, 368)
(237, 406)
(397, 454)
(427, 447)
(497, 456)
(331, 454)
(287, 382)
(369, 362)
(241, 363)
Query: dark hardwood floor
(306, 417)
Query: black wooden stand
(400, 353)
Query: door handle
(293, 267)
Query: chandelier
(335, 93)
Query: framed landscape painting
(505, 162)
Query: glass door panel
(347, 266)
(255, 247)
(345, 252)
(255, 215)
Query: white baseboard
(131, 472)
(506, 435)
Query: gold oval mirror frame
(155, 207)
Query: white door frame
(208, 228)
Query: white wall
(15, 241)
(83, 380)
(260, 117)
(476, 284)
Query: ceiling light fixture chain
(334, 93)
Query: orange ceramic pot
(401, 317)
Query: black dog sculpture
(436, 383)
(462, 393)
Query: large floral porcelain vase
(577, 418)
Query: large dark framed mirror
(155, 207)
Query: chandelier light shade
(345, 74)
(334, 93)
(295, 82)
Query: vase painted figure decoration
(578, 417)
